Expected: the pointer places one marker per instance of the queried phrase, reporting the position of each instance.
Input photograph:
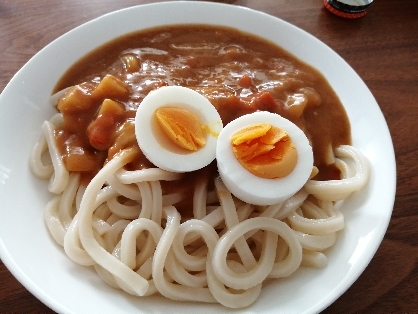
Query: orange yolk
(265, 150)
(182, 127)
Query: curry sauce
(239, 73)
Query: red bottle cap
(348, 8)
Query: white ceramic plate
(42, 267)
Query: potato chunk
(111, 87)
(75, 100)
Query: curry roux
(239, 73)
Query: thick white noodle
(231, 220)
(130, 191)
(191, 262)
(128, 210)
(244, 211)
(229, 298)
(151, 174)
(181, 275)
(73, 247)
(60, 211)
(79, 196)
(214, 219)
(291, 204)
(249, 279)
(106, 276)
(146, 196)
(100, 226)
(59, 179)
(166, 288)
(124, 226)
(105, 194)
(316, 242)
(36, 164)
(317, 226)
(111, 239)
(67, 208)
(56, 97)
(157, 201)
(199, 199)
(98, 253)
(52, 220)
(129, 237)
(314, 259)
(335, 190)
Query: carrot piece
(101, 130)
(244, 81)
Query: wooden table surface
(382, 47)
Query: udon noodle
(129, 230)
(223, 254)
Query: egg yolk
(182, 127)
(265, 150)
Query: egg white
(251, 188)
(157, 147)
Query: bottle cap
(348, 8)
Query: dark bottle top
(348, 8)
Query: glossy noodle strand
(124, 226)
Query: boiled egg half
(177, 129)
(263, 158)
